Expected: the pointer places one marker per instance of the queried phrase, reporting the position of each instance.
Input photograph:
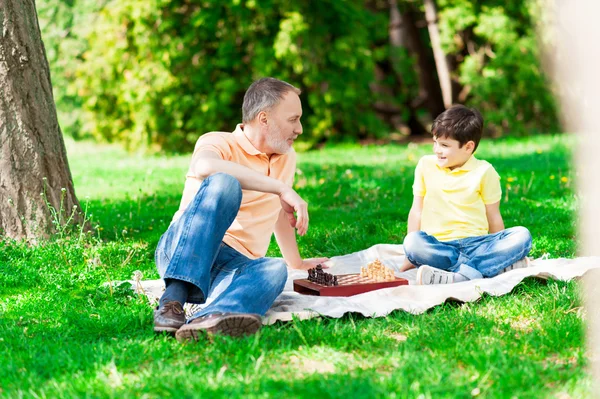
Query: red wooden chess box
(349, 284)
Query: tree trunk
(430, 93)
(438, 53)
(398, 41)
(33, 161)
(572, 25)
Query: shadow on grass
(336, 358)
(76, 332)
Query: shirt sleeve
(214, 142)
(491, 191)
(419, 189)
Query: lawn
(64, 333)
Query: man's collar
(247, 146)
(243, 141)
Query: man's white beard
(277, 143)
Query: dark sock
(177, 290)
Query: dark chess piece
(311, 275)
(318, 276)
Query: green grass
(65, 334)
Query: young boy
(455, 230)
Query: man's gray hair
(264, 94)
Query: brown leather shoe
(169, 318)
(232, 324)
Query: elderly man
(238, 191)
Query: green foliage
(163, 72)
(65, 334)
(500, 68)
(157, 74)
(65, 25)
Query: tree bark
(398, 40)
(34, 171)
(438, 53)
(430, 93)
(574, 24)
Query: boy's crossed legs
(468, 258)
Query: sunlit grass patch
(65, 333)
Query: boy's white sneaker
(427, 275)
(520, 264)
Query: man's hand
(291, 202)
(311, 263)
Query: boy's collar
(467, 166)
(470, 164)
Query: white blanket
(410, 298)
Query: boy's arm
(414, 224)
(494, 217)
(414, 216)
(286, 239)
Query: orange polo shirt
(251, 231)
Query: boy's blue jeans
(473, 257)
(192, 250)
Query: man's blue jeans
(473, 257)
(192, 250)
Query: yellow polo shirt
(251, 231)
(454, 200)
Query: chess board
(348, 285)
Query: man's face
(449, 153)
(284, 124)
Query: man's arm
(208, 163)
(414, 224)
(286, 239)
(495, 222)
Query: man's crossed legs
(198, 267)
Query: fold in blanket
(410, 298)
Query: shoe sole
(419, 279)
(231, 325)
(171, 330)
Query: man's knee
(225, 187)
(224, 182)
(275, 275)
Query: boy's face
(450, 154)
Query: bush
(158, 74)
(499, 63)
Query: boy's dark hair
(459, 123)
